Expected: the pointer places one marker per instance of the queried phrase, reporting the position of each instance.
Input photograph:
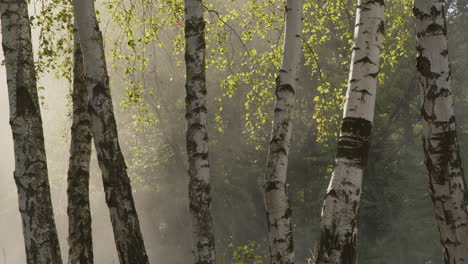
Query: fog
(56, 123)
(396, 212)
(56, 115)
(10, 227)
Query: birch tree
(79, 214)
(119, 198)
(441, 149)
(277, 205)
(35, 205)
(197, 134)
(341, 204)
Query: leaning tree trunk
(119, 198)
(442, 158)
(79, 214)
(197, 134)
(40, 234)
(277, 205)
(341, 205)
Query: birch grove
(441, 148)
(79, 213)
(284, 136)
(197, 135)
(31, 176)
(341, 204)
(277, 205)
(118, 191)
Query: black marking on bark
(24, 102)
(423, 65)
(380, 2)
(287, 213)
(329, 243)
(434, 92)
(444, 52)
(434, 12)
(354, 140)
(435, 29)
(286, 88)
(373, 75)
(99, 89)
(282, 87)
(364, 60)
(420, 49)
(189, 58)
(194, 27)
(381, 28)
(365, 6)
(200, 109)
(196, 126)
(443, 150)
(272, 185)
(420, 14)
(332, 193)
(277, 145)
(201, 155)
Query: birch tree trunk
(197, 134)
(441, 149)
(341, 204)
(119, 198)
(277, 205)
(79, 214)
(40, 234)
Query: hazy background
(396, 219)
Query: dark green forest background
(144, 40)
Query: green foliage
(245, 254)
(244, 43)
(55, 24)
(136, 41)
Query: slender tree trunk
(341, 205)
(40, 234)
(119, 198)
(197, 134)
(277, 205)
(442, 158)
(79, 214)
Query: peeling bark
(79, 214)
(341, 204)
(119, 197)
(441, 149)
(35, 205)
(277, 205)
(197, 134)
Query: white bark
(40, 234)
(119, 198)
(197, 134)
(441, 149)
(277, 205)
(341, 204)
(79, 214)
